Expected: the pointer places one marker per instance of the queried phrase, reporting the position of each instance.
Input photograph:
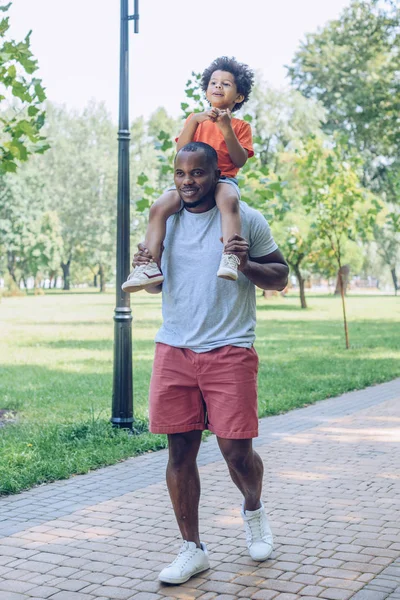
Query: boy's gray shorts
(229, 180)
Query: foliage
(352, 67)
(335, 200)
(21, 100)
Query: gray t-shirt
(200, 310)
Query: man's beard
(193, 204)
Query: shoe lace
(185, 554)
(232, 260)
(137, 270)
(255, 529)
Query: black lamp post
(122, 399)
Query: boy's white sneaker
(228, 267)
(190, 561)
(258, 533)
(143, 276)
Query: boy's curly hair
(244, 76)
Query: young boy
(227, 85)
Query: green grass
(56, 372)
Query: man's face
(195, 179)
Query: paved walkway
(332, 490)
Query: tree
(351, 66)
(82, 189)
(387, 237)
(335, 201)
(21, 97)
(280, 120)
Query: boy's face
(222, 91)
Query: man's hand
(239, 246)
(142, 256)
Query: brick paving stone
(15, 586)
(113, 592)
(264, 595)
(369, 595)
(42, 591)
(336, 594)
(72, 596)
(12, 596)
(145, 596)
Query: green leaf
(9, 166)
(141, 205)
(12, 71)
(142, 179)
(39, 91)
(33, 111)
(248, 118)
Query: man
(205, 366)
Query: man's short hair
(211, 155)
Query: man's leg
(184, 488)
(184, 483)
(246, 469)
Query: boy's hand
(224, 119)
(207, 115)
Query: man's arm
(268, 272)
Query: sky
(77, 44)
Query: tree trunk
(11, 266)
(95, 280)
(66, 274)
(342, 294)
(394, 277)
(102, 278)
(302, 281)
(342, 280)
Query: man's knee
(238, 454)
(183, 448)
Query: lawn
(56, 372)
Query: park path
(332, 490)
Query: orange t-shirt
(209, 133)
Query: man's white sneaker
(258, 533)
(228, 267)
(190, 561)
(143, 276)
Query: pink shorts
(214, 390)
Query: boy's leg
(150, 274)
(227, 200)
(166, 205)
